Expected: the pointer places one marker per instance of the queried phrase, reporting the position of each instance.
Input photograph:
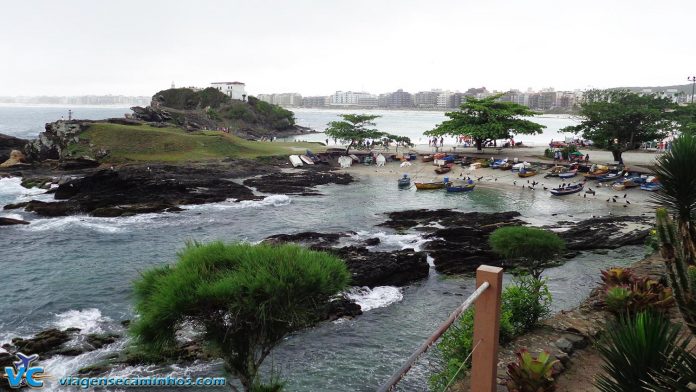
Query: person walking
(442, 141)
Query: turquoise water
(77, 271)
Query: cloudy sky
(73, 47)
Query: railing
(484, 354)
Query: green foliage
(652, 243)
(487, 119)
(354, 129)
(681, 374)
(528, 300)
(188, 99)
(532, 373)
(633, 348)
(626, 293)
(532, 247)
(685, 118)
(240, 111)
(521, 301)
(245, 298)
(278, 117)
(677, 250)
(621, 120)
(617, 299)
(675, 169)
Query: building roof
(227, 83)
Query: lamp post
(692, 79)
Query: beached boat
(429, 185)
(443, 169)
(527, 173)
(651, 186)
(460, 188)
(610, 177)
(497, 163)
(566, 190)
(506, 166)
(597, 172)
(568, 174)
(427, 158)
(518, 166)
(313, 156)
(306, 159)
(630, 182)
(354, 158)
(295, 160)
(405, 181)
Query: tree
(534, 249)
(487, 119)
(353, 129)
(620, 120)
(244, 298)
(678, 239)
(685, 118)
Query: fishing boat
(405, 181)
(596, 173)
(306, 159)
(427, 158)
(566, 190)
(518, 166)
(556, 171)
(295, 160)
(610, 177)
(527, 173)
(651, 186)
(469, 186)
(630, 182)
(443, 169)
(568, 174)
(313, 156)
(429, 185)
(497, 163)
(506, 166)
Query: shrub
(246, 299)
(634, 347)
(532, 374)
(528, 300)
(532, 248)
(617, 299)
(625, 293)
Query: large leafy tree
(487, 119)
(354, 129)
(685, 118)
(620, 120)
(243, 298)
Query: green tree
(354, 129)
(675, 169)
(620, 120)
(685, 118)
(532, 249)
(244, 299)
(487, 119)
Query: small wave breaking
(378, 297)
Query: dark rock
(564, 345)
(578, 341)
(11, 221)
(297, 183)
(79, 163)
(309, 238)
(98, 341)
(52, 208)
(43, 342)
(95, 370)
(402, 220)
(609, 232)
(69, 351)
(372, 241)
(9, 143)
(125, 323)
(151, 114)
(383, 268)
(342, 307)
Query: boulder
(8, 144)
(297, 183)
(373, 269)
(4, 221)
(16, 158)
(44, 342)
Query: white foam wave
(88, 320)
(388, 241)
(269, 201)
(12, 191)
(102, 225)
(377, 297)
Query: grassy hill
(146, 143)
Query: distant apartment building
(515, 96)
(235, 90)
(426, 99)
(347, 98)
(480, 92)
(456, 100)
(369, 102)
(314, 102)
(443, 99)
(283, 99)
(397, 99)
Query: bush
(523, 304)
(532, 248)
(625, 293)
(246, 299)
(633, 348)
(532, 373)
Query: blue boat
(566, 190)
(651, 186)
(405, 181)
(568, 174)
(469, 186)
(610, 177)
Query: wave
(377, 297)
(388, 241)
(88, 320)
(12, 191)
(269, 201)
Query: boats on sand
(568, 174)
(527, 173)
(466, 187)
(566, 190)
(429, 185)
(295, 160)
(306, 159)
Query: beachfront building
(314, 102)
(347, 98)
(283, 99)
(443, 99)
(426, 99)
(236, 90)
(397, 99)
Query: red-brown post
(484, 362)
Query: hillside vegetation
(172, 144)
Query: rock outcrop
(53, 142)
(4, 221)
(16, 158)
(8, 144)
(298, 182)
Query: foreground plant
(625, 293)
(532, 373)
(616, 276)
(243, 298)
(633, 349)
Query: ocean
(77, 271)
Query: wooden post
(484, 362)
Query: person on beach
(442, 141)
(587, 158)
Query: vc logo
(23, 374)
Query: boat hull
(567, 190)
(462, 188)
(295, 160)
(429, 185)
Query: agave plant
(532, 373)
(617, 299)
(679, 376)
(633, 349)
(648, 294)
(616, 276)
(678, 240)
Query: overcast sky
(56, 47)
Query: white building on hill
(236, 90)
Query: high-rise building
(426, 99)
(397, 99)
(350, 98)
(313, 102)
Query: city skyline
(305, 45)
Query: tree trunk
(616, 154)
(479, 143)
(349, 146)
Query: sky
(78, 47)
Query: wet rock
(52, 208)
(11, 221)
(342, 307)
(98, 341)
(448, 218)
(297, 182)
(308, 238)
(79, 163)
(372, 269)
(609, 232)
(372, 241)
(42, 343)
(564, 345)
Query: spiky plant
(616, 276)
(532, 373)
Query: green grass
(146, 143)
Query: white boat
(518, 166)
(345, 161)
(306, 159)
(381, 160)
(295, 160)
